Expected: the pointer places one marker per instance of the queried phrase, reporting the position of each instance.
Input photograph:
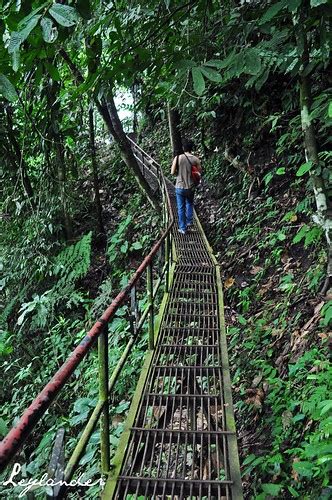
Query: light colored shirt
(183, 177)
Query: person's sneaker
(181, 231)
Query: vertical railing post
(104, 397)
(166, 209)
(56, 467)
(149, 284)
(159, 176)
(167, 261)
(165, 212)
(133, 311)
(143, 163)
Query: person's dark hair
(177, 152)
(188, 145)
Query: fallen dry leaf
(229, 282)
(256, 380)
(286, 419)
(314, 369)
(117, 419)
(256, 397)
(319, 307)
(206, 471)
(315, 317)
(324, 336)
(255, 270)
(277, 332)
(266, 287)
(158, 411)
(284, 258)
(295, 475)
(265, 387)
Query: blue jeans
(185, 203)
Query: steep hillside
(273, 262)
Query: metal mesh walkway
(182, 443)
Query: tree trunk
(110, 114)
(98, 205)
(323, 214)
(134, 93)
(108, 111)
(19, 160)
(61, 171)
(56, 138)
(174, 129)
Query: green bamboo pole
(88, 430)
(103, 397)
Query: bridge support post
(167, 261)
(149, 283)
(104, 398)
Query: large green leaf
(53, 71)
(329, 111)
(237, 66)
(315, 3)
(252, 64)
(293, 5)
(14, 42)
(7, 89)
(272, 12)
(3, 427)
(217, 63)
(303, 468)
(50, 33)
(304, 169)
(198, 80)
(184, 64)
(211, 74)
(221, 64)
(17, 37)
(137, 245)
(261, 79)
(327, 313)
(26, 26)
(16, 60)
(271, 489)
(64, 14)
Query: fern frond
(74, 262)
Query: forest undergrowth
(77, 281)
(273, 265)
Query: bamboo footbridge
(179, 439)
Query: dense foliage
(251, 82)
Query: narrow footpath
(181, 440)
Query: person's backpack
(195, 173)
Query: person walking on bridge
(186, 167)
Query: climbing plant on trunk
(323, 216)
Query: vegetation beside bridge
(251, 83)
